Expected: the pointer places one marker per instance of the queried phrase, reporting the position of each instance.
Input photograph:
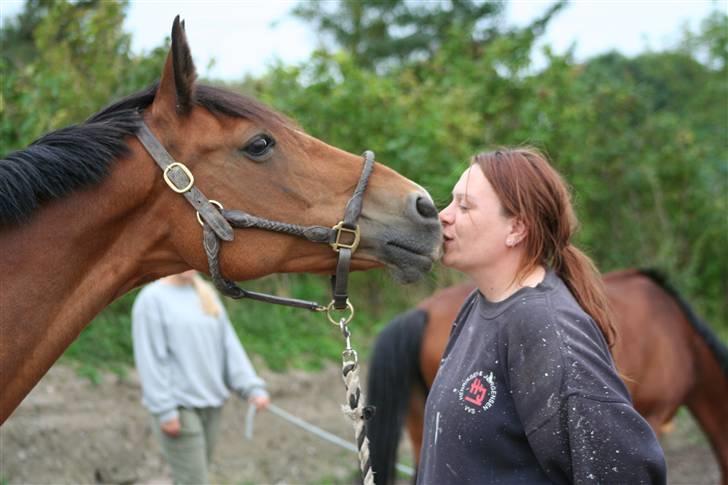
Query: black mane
(79, 156)
(720, 351)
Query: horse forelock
(79, 156)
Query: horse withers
(86, 214)
(666, 355)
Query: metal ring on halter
(346, 320)
(213, 202)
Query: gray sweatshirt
(186, 358)
(527, 393)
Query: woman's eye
(463, 207)
(259, 146)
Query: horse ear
(177, 85)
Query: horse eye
(259, 147)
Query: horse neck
(74, 257)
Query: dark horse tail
(720, 351)
(393, 370)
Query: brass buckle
(186, 172)
(213, 202)
(337, 245)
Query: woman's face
(474, 226)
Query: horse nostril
(426, 208)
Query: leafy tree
(385, 31)
(61, 61)
(641, 139)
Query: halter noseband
(218, 223)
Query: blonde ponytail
(206, 294)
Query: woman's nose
(446, 215)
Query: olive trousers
(190, 453)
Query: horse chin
(406, 265)
(408, 257)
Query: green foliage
(640, 139)
(61, 61)
(289, 337)
(283, 337)
(386, 32)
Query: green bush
(640, 139)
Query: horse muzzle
(408, 242)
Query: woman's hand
(172, 427)
(260, 402)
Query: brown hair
(530, 189)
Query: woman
(527, 391)
(189, 357)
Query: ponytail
(206, 294)
(583, 279)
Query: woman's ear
(517, 232)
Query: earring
(509, 243)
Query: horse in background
(667, 356)
(86, 214)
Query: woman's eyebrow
(461, 196)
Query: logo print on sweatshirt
(477, 392)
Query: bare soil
(70, 431)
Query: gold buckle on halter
(186, 172)
(340, 229)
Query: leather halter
(218, 223)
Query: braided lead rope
(353, 408)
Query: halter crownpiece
(218, 223)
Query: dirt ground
(68, 431)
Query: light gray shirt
(186, 358)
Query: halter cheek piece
(218, 223)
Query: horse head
(91, 203)
(245, 156)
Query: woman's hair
(206, 294)
(530, 189)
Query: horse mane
(79, 156)
(720, 351)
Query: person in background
(527, 391)
(189, 358)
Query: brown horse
(666, 354)
(85, 214)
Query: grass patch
(283, 337)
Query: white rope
(354, 409)
(321, 433)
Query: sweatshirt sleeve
(590, 441)
(576, 412)
(240, 375)
(151, 357)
